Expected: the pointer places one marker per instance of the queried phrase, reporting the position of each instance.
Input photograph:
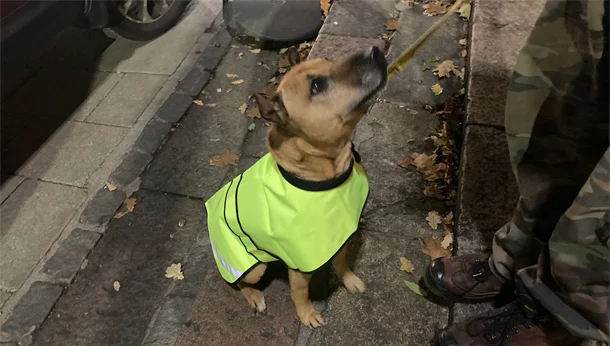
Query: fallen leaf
(434, 249)
(110, 187)
(325, 6)
(415, 288)
(444, 69)
(174, 272)
(116, 285)
(120, 214)
(433, 190)
(434, 8)
(225, 159)
(229, 90)
(198, 102)
(392, 25)
(447, 241)
(461, 74)
(210, 105)
(430, 62)
(434, 219)
(409, 3)
(404, 163)
(463, 42)
(437, 89)
(406, 265)
(255, 51)
(411, 140)
(464, 10)
(411, 111)
(130, 203)
(448, 220)
(232, 75)
(240, 55)
(253, 113)
(234, 46)
(181, 223)
(239, 81)
(243, 108)
(252, 127)
(464, 53)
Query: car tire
(135, 31)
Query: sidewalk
(91, 97)
(167, 224)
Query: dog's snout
(373, 53)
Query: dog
(301, 203)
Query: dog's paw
(354, 284)
(256, 299)
(310, 317)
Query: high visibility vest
(267, 214)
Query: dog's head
(322, 101)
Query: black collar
(323, 185)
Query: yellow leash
(402, 60)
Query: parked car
(26, 25)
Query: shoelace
(499, 327)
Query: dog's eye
(318, 85)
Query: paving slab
(388, 313)
(164, 54)
(333, 47)
(390, 127)
(72, 251)
(9, 186)
(412, 85)
(73, 153)
(127, 100)
(493, 54)
(4, 296)
(31, 220)
(358, 18)
(221, 316)
(135, 250)
(183, 166)
(517, 13)
(97, 95)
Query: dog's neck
(306, 161)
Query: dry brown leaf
(116, 285)
(225, 159)
(255, 51)
(437, 89)
(120, 214)
(110, 187)
(243, 108)
(444, 69)
(433, 190)
(404, 163)
(253, 113)
(447, 230)
(434, 219)
(198, 102)
(392, 25)
(411, 111)
(203, 92)
(241, 54)
(239, 81)
(463, 42)
(181, 223)
(409, 3)
(434, 8)
(406, 265)
(448, 220)
(325, 6)
(447, 241)
(174, 271)
(411, 140)
(210, 105)
(232, 75)
(130, 203)
(229, 90)
(434, 249)
(464, 53)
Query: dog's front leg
(299, 290)
(350, 280)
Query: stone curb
(104, 204)
(33, 308)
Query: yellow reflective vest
(267, 214)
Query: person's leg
(572, 278)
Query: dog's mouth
(371, 68)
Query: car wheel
(144, 20)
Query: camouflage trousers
(557, 117)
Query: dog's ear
(271, 108)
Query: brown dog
(314, 115)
